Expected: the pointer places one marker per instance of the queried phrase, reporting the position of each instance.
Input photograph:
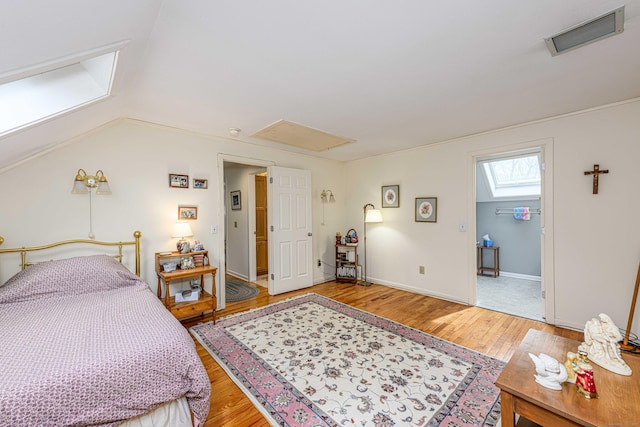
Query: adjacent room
(329, 213)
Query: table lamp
(182, 230)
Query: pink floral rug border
(475, 401)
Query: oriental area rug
(313, 361)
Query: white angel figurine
(550, 373)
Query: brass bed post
(137, 234)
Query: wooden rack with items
(347, 263)
(171, 266)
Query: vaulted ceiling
(388, 74)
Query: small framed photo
(426, 209)
(390, 196)
(187, 212)
(236, 204)
(200, 183)
(178, 181)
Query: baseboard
(238, 275)
(521, 276)
(417, 290)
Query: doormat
(239, 291)
(313, 361)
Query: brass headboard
(23, 251)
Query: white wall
(596, 246)
(38, 206)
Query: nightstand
(205, 302)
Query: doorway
(508, 224)
(290, 265)
(237, 245)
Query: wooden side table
(495, 269)
(617, 405)
(205, 302)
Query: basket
(352, 236)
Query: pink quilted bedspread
(83, 341)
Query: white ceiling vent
(300, 136)
(601, 27)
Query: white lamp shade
(79, 187)
(373, 215)
(182, 229)
(103, 188)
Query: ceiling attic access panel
(38, 93)
(296, 135)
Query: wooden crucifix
(595, 172)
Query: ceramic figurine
(571, 365)
(601, 338)
(550, 373)
(584, 377)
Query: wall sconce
(325, 194)
(83, 184)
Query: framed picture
(390, 196)
(200, 183)
(426, 209)
(178, 181)
(235, 200)
(187, 212)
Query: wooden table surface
(619, 396)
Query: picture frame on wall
(236, 203)
(200, 183)
(426, 209)
(178, 181)
(187, 212)
(390, 196)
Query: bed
(85, 342)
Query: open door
(290, 241)
(261, 227)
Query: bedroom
(593, 253)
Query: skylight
(31, 96)
(514, 176)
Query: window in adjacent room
(32, 95)
(515, 176)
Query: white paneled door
(290, 240)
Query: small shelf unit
(347, 263)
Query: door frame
(546, 219)
(222, 158)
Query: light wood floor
(491, 333)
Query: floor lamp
(371, 215)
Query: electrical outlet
(319, 262)
(421, 269)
